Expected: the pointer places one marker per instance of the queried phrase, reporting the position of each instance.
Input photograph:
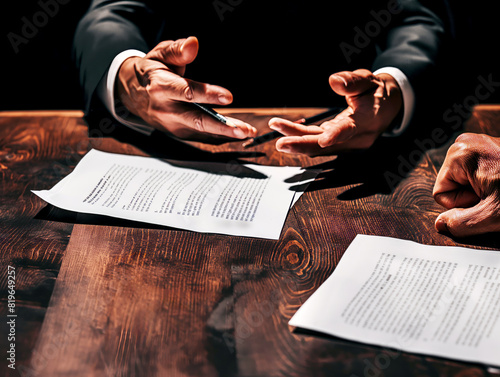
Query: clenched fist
(468, 185)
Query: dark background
(41, 75)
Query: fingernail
(224, 99)
(441, 225)
(285, 149)
(341, 78)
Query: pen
(215, 114)
(275, 134)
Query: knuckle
(351, 125)
(468, 138)
(188, 92)
(347, 126)
(159, 52)
(464, 144)
(330, 125)
(175, 47)
(198, 122)
(163, 45)
(152, 89)
(156, 92)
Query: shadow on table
(378, 170)
(51, 213)
(177, 153)
(160, 145)
(370, 359)
(488, 240)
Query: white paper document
(244, 200)
(435, 300)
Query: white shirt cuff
(408, 98)
(106, 92)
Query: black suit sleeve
(107, 29)
(413, 41)
(417, 43)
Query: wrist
(408, 98)
(393, 97)
(393, 91)
(127, 84)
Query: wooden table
(103, 297)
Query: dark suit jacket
(270, 53)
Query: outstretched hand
(374, 101)
(154, 89)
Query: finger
(169, 86)
(452, 176)
(307, 144)
(197, 121)
(469, 221)
(354, 83)
(461, 198)
(248, 130)
(175, 53)
(338, 130)
(289, 128)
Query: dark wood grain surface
(97, 296)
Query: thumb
(348, 83)
(463, 222)
(175, 53)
